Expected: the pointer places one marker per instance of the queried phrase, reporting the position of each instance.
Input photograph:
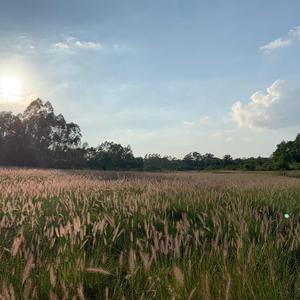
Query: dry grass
(101, 235)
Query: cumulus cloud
(278, 107)
(74, 43)
(292, 36)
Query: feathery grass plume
(12, 292)
(147, 261)
(5, 291)
(98, 270)
(52, 277)
(28, 288)
(28, 267)
(178, 275)
(17, 244)
(64, 289)
(53, 296)
(80, 292)
(106, 295)
(228, 286)
(143, 226)
(132, 261)
(206, 290)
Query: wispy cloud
(61, 45)
(88, 45)
(202, 121)
(295, 32)
(74, 43)
(189, 123)
(121, 48)
(224, 135)
(205, 120)
(278, 43)
(292, 35)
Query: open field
(93, 235)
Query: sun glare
(10, 89)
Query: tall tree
(37, 137)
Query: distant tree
(283, 155)
(287, 154)
(111, 156)
(153, 162)
(194, 160)
(227, 160)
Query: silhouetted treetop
(36, 135)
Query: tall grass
(93, 235)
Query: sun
(10, 89)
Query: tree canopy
(37, 137)
(287, 154)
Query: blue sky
(165, 77)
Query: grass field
(93, 235)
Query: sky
(165, 76)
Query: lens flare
(10, 89)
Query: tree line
(40, 138)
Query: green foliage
(38, 137)
(287, 155)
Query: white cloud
(189, 123)
(61, 45)
(88, 45)
(202, 121)
(122, 48)
(74, 43)
(278, 107)
(278, 43)
(295, 32)
(293, 35)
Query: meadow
(107, 235)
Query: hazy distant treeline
(40, 138)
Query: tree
(111, 156)
(194, 160)
(287, 154)
(282, 156)
(37, 137)
(11, 139)
(227, 160)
